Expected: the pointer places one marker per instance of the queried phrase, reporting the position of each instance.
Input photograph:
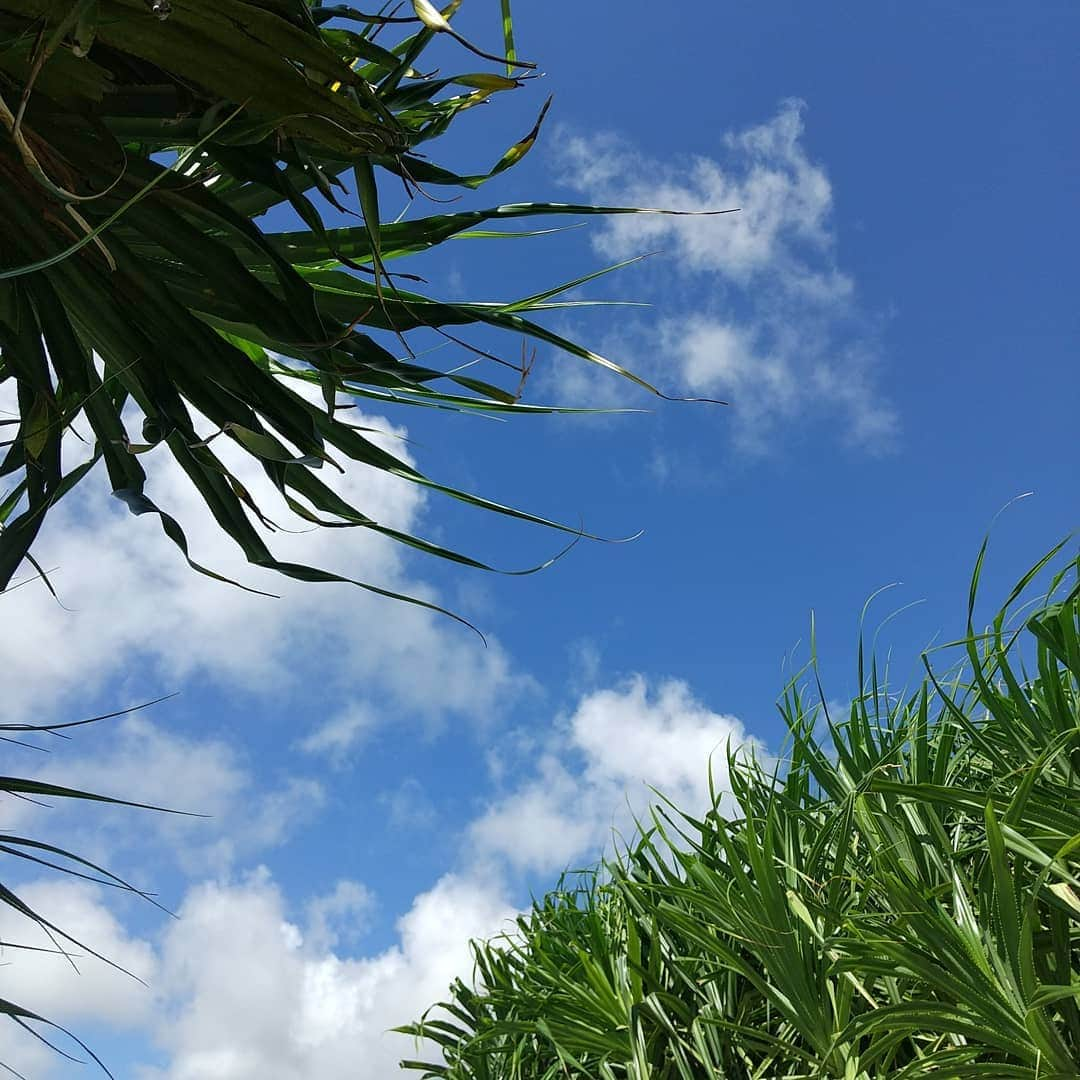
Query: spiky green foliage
(17, 850)
(897, 897)
(140, 143)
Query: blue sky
(892, 315)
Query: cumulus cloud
(239, 989)
(340, 916)
(776, 327)
(247, 994)
(77, 986)
(131, 604)
(595, 774)
(245, 984)
(73, 989)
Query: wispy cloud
(142, 761)
(338, 737)
(764, 315)
(408, 805)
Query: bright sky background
(893, 315)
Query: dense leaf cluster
(140, 144)
(897, 897)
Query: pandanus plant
(897, 896)
(145, 146)
(143, 141)
(32, 853)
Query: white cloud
(341, 915)
(783, 200)
(246, 994)
(595, 773)
(243, 988)
(549, 820)
(238, 990)
(341, 733)
(134, 607)
(70, 993)
(778, 331)
(408, 805)
(47, 982)
(140, 761)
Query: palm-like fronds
(142, 141)
(900, 899)
(40, 855)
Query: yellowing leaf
(430, 16)
(1063, 891)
